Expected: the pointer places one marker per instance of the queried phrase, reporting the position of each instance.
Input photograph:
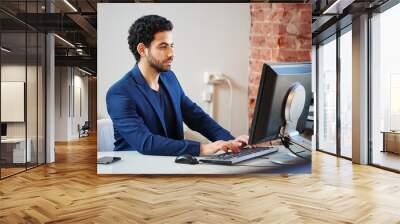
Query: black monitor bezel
(267, 69)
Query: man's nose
(170, 52)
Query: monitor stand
(293, 109)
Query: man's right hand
(211, 148)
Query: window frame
(347, 27)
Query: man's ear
(141, 49)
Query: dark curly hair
(143, 30)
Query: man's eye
(164, 47)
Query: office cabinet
(391, 141)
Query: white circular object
(295, 103)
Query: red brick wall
(280, 32)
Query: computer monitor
(3, 129)
(277, 81)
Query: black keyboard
(230, 158)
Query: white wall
(80, 83)
(66, 121)
(17, 72)
(61, 103)
(208, 38)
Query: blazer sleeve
(133, 129)
(198, 120)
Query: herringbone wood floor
(70, 191)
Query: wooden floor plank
(70, 191)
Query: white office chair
(195, 136)
(105, 135)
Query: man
(148, 105)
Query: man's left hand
(236, 144)
(243, 139)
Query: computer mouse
(186, 159)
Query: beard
(158, 65)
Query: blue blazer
(139, 123)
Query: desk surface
(390, 132)
(13, 140)
(132, 162)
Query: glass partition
(346, 93)
(327, 96)
(385, 89)
(41, 96)
(31, 97)
(13, 86)
(22, 78)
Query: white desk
(19, 149)
(132, 162)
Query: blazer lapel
(148, 94)
(174, 99)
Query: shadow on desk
(132, 162)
